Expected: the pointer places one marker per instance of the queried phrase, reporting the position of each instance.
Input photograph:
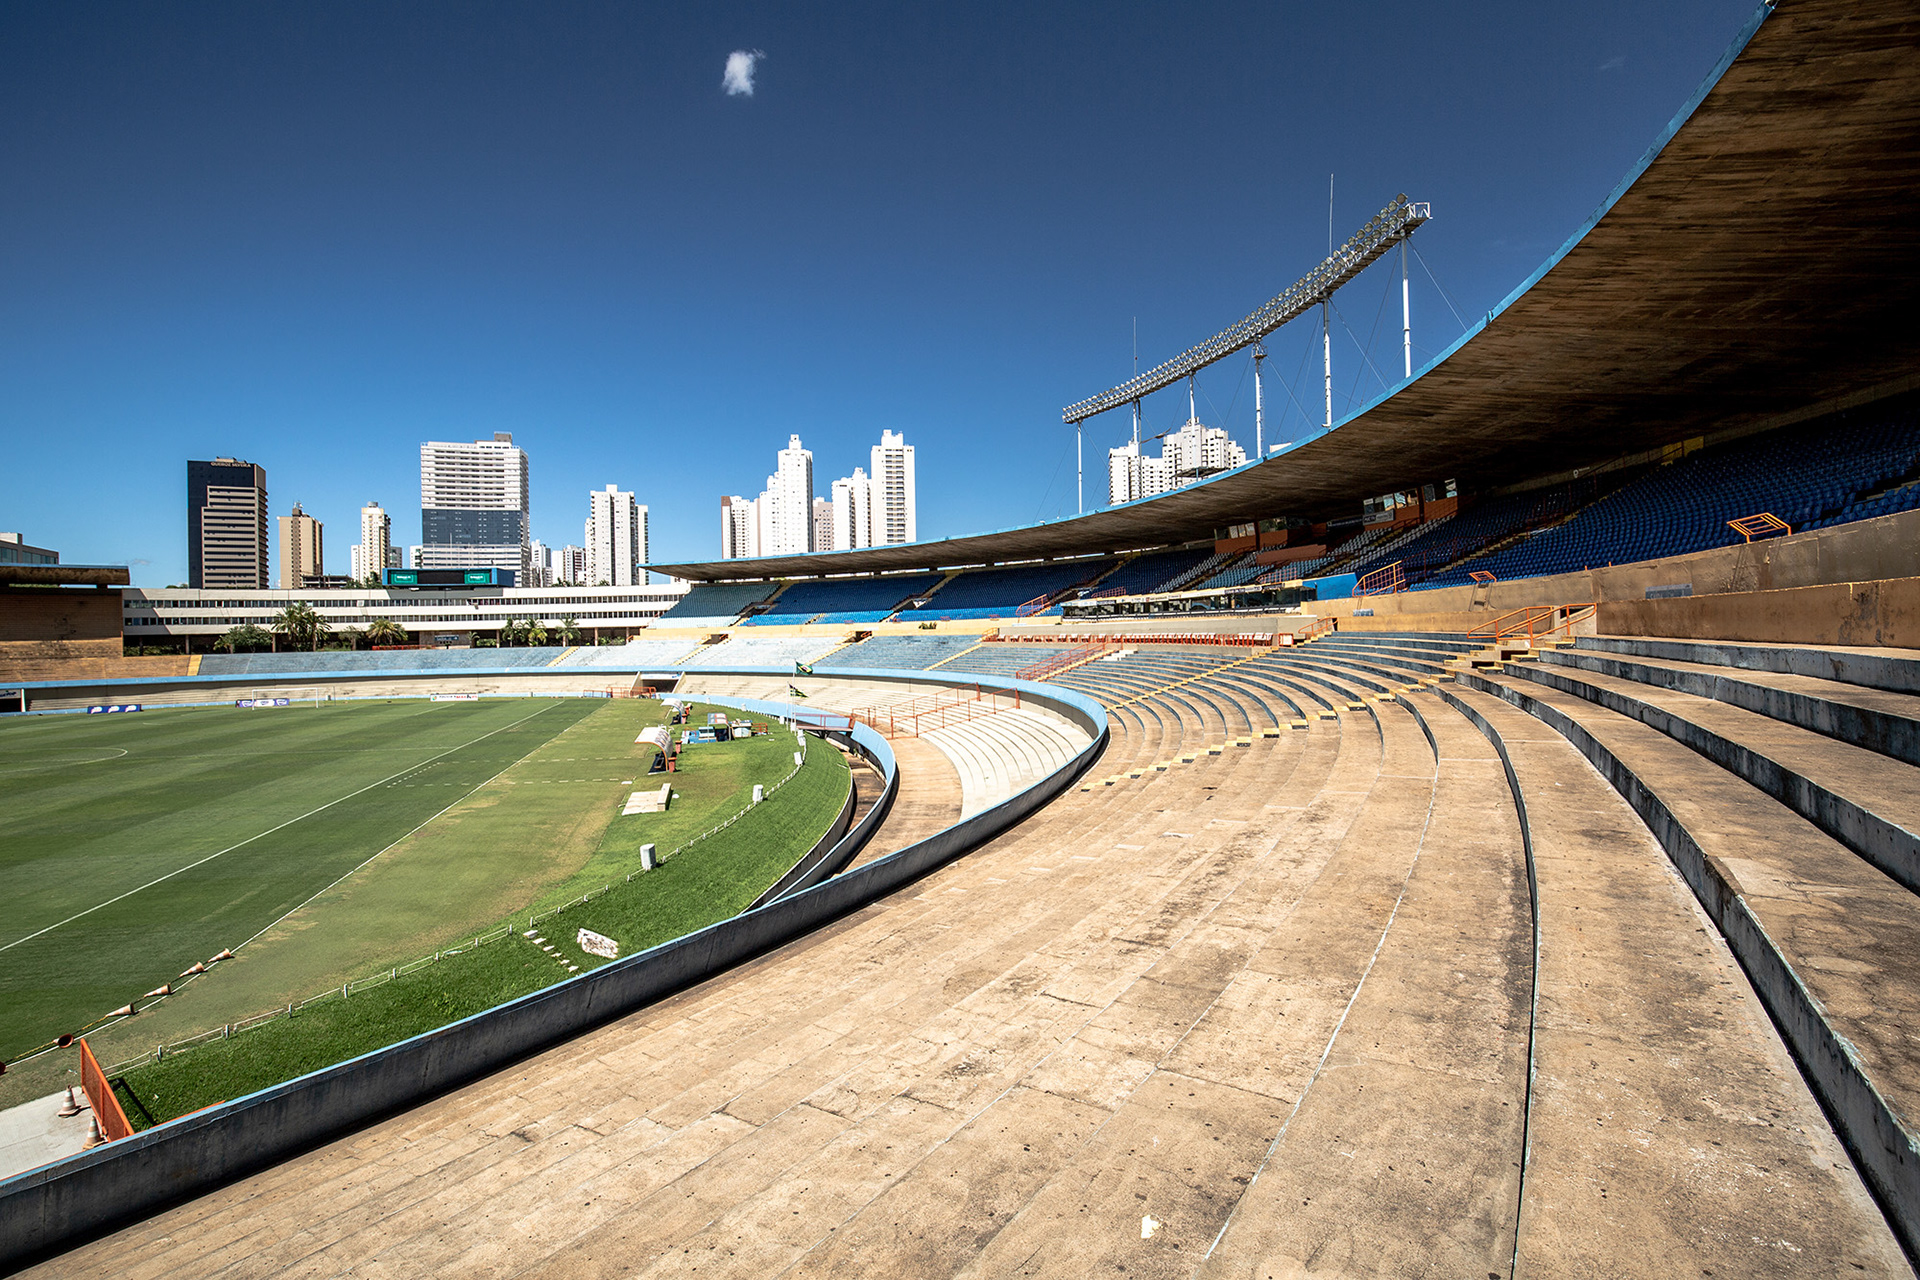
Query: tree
(509, 633)
(354, 636)
(536, 633)
(569, 630)
(300, 624)
(244, 639)
(385, 631)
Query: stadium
(1481, 838)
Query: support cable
(1363, 352)
(1354, 394)
(1444, 295)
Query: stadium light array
(1389, 227)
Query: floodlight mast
(1391, 226)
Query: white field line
(269, 831)
(460, 799)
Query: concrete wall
(96, 667)
(1864, 551)
(56, 625)
(1844, 613)
(134, 1177)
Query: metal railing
(1759, 525)
(923, 715)
(1384, 581)
(1534, 622)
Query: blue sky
(314, 236)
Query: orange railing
(1534, 622)
(106, 1107)
(1382, 582)
(1034, 605)
(1065, 658)
(1482, 576)
(1314, 632)
(1759, 525)
(916, 716)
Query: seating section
(999, 593)
(1146, 573)
(715, 604)
(1388, 546)
(849, 600)
(636, 653)
(1001, 658)
(1845, 467)
(905, 653)
(1482, 523)
(270, 664)
(762, 651)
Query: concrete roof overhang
(1760, 258)
(65, 575)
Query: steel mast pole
(1406, 310)
(1259, 407)
(1326, 355)
(1079, 473)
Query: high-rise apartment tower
(893, 497)
(616, 539)
(474, 508)
(375, 550)
(301, 550)
(226, 525)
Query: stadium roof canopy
(1759, 259)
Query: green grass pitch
(139, 844)
(136, 845)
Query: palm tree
(299, 623)
(385, 631)
(569, 630)
(536, 633)
(509, 633)
(243, 639)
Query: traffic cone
(94, 1136)
(71, 1107)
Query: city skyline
(315, 242)
(792, 517)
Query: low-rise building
(157, 616)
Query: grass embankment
(134, 846)
(707, 882)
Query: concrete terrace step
(1867, 801)
(1894, 670)
(1879, 721)
(1831, 945)
(1659, 1084)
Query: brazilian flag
(795, 693)
(801, 669)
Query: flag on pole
(794, 693)
(801, 669)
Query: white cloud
(1614, 64)
(738, 78)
